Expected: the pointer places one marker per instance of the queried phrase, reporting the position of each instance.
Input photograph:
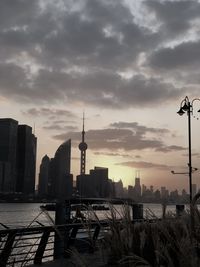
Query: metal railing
(34, 245)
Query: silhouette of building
(119, 189)
(59, 182)
(164, 193)
(137, 188)
(96, 184)
(100, 181)
(8, 154)
(26, 160)
(83, 147)
(17, 157)
(44, 174)
(131, 192)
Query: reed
(170, 242)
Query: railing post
(180, 209)
(137, 211)
(41, 247)
(7, 249)
(62, 217)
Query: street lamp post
(187, 106)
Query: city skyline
(126, 64)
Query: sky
(126, 64)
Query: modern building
(119, 189)
(26, 160)
(63, 180)
(44, 183)
(17, 157)
(55, 179)
(8, 154)
(137, 189)
(131, 192)
(96, 184)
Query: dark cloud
(139, 128)
(181, 56)
(175, 16)
(144, 165)
(170, 148)
(119, 139)
(77, 54)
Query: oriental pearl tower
(83, 147)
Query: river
(29, 214)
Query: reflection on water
(24, 214)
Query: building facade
(8, 154)
(17, 157)
(26, 160)
(55, 179)
(44, 183)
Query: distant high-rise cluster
(55, 179)
(17, 157)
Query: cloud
(112, 154)
(175, 17)
(139, 128)
(144, 165)
(57, 127)
(120, 139)
(77, 55)
(49, 112)
(181, 56)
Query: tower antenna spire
(83, 147)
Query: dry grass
(171, 242)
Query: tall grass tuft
(170, 242)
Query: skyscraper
(26, 160)
(44, 183)
(8, 154)
(55, 174)
(63, 185)
(137, 189)
(17, 157)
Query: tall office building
(64, 181)
(44, 182)
(55, 176)
(8, 153)
(17, 157)
(137, 189)
(95, 184)
(26, 160)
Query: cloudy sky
(127, 64)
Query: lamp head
(185, 107)
(181, 111)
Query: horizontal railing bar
(27, 238)
(23, 253)
(48, 256)
(29, 252)
(18, 261)
(50, 228)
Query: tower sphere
(83, 146)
